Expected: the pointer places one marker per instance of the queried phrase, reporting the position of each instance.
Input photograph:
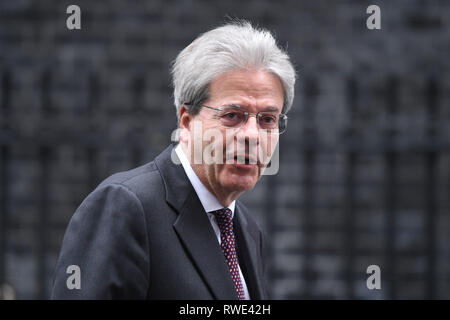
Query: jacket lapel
(194, 229)
(249, 252)
(196, 233)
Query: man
(171, 231)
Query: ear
(185, 122)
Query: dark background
(365, 164)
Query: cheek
(267, 147)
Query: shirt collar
(208, 200)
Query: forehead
(252, 88)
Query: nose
(250, 130)
(251, 127)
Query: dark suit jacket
(143, 234)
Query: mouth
(246, 160)
(243, 161)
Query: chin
(239, 186)
(240, 183)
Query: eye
(230, 115)
(268, 119)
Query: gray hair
(237, 45)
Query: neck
(225, 199)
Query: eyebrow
(270, 108)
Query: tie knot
(224, 216)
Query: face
(254, 91)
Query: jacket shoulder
(145, 177)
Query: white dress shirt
(209, 202)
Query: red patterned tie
(225, 222)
